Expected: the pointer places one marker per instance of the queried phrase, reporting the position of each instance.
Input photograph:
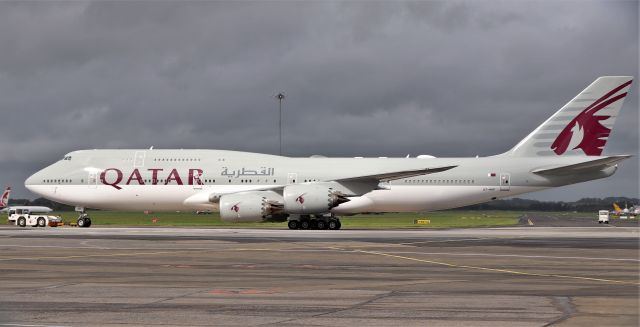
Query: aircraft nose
(30, 181)
(33, 182)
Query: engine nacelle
(250, 206)
(311, 199)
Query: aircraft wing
(597, 164)
(366, 182)
(390, 176)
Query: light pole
(280, 97)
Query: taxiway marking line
(92, 255)
(169, 251)
(513, 256)
(513, 272)
(450, 240)
(441, 253)
(57, 247)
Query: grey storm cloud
(446, 78)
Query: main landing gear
(83, 220)
(318, 222)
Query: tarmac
(517, 276)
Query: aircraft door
(92, 181)
(505, 181)
(138, 159)
(291, 178)
(197, 179)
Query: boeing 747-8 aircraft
(311, 192)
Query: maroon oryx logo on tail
(586, 131)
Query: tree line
(582, 205)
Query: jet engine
(311, 199)
(250, 206)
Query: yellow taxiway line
(507, 271)
(440, 263)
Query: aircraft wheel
(87, 222)
(22, 222)
(321, 224)
(81, 222)
(293, 224)
(42, 222)
(333, 224)
(339, 224)
(606, 222)
(305, 224)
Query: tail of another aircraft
(616, 207)
(582, 126)
(4, 200)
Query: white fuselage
(169, 180)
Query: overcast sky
(454, 78)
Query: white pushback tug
(24, 217)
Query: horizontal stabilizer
(597, 164)
(395, 175)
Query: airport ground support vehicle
(603, 216)
(25, 217)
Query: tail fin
(616, 207)
(582, 126)
(4, 199)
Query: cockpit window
(67, 158)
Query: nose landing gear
(83, 220)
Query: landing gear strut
(316, 222)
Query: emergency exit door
(92, 180)
(138, 159)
